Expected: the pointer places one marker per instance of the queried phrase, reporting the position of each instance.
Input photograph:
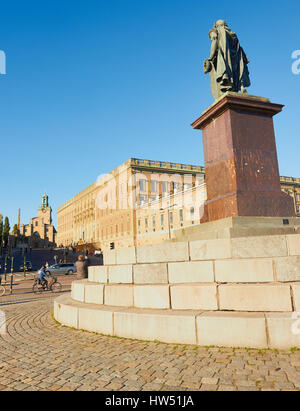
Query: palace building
(40, 232)
(140, 202)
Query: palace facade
(140, 202)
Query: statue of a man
(228, 63)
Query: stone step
(206, 250)
(272, 297)
(222, 329)
(247, 270)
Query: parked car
(61, 269)
(28, 266)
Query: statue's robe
(231, 62)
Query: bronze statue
(228, 63)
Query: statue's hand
(207, 66)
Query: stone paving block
(255, 298)
(72, 359)
(120, 274)
(100, 321)
(293, 242)
(163, 253)
(152, 326)
(259, 247)
(210, 249)
(287, 269)
(94, 293)
(154, 296)
(150, 274)
(232, 329)
(244, 271)
(118, 295)
(191, 272)
(194, 297)
(98, 274)
(126, 255)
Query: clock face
(44, 210)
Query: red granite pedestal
(242, 174)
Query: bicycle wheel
(56, 287)
(37, 288)
(2, 290)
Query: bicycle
(54, 286)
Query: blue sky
(90, 84)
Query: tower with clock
(45, 211)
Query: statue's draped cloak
(231, 67)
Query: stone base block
(259, 247)
(244, 271)
(150, 326)
(120, 274)
(294, 243)
(163, 253)
(150, 274)
(118, 295)
(284, 330)
(287, 269)
(210, 249)
(232, 330)
(194, 297)
(154, 296)
(78, 290)
(94, 294)
(255, 298)
(66, 312)
(191, 272)
(94, 320)
(98, 274)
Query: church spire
(45, 202)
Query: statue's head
(221, 23)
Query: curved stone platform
(232, 292)
(223, 329)
(272, 297)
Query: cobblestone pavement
(39, 354)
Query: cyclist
(43, 277)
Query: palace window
(143, 199)
(154, 186)
(181, 215)
(143, 185)
(192, 214)
(153, 222)
(165, 186)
